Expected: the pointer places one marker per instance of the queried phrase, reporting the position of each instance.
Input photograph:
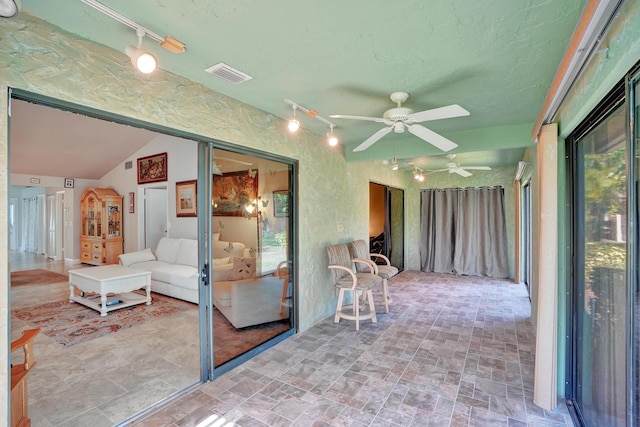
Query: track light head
(332, 138)
(144, 61)
(293, 125)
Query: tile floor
(454, 351)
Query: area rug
(72, 323)
(36, 277)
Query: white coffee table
(109, 279)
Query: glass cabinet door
(114, 221)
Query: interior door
(155, 216)
(51, 226)
(13, 212)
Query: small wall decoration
(186, 201)
(152, 168)
(132, 204)
(233, 192)
(69, 183)
(281, 203)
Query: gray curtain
(463, 231)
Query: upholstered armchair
(360, 250)
(348, 279)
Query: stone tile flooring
(453, 351)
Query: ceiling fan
(463, 171)
(400, 118)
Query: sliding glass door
(601, 314)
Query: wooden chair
(360, 250)
(282, 272)
(19, 374)
(346, 279)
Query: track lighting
(9, 8)
(332, 139)
(294, 123)
(144, 61)
(418, 175)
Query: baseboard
(72, 261)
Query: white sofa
(173, 267)
(174, 272)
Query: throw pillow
(243, 268)
(221, 261)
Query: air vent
(128, 165)
(228, 73)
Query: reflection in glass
(602, 318)
(252, 269)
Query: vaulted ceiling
(496, 58)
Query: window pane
(601, 286)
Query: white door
(60, 225)
(13, 217)
(51, 226)
(155, 218)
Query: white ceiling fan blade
(477, 168)
(373, 139)
(453, 110)
(432, 138)
(370, 119)
(461, 172)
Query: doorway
(386, 223)
(155, 216)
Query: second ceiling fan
(400, 118)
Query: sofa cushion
(168, 249)
(223, 249)
(188, 253)
(180, 275)
(222, 272)
(135, 257)
(243, 268)
(221, 261)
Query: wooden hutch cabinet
(101, 239)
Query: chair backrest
(360, 249)
(339, 255)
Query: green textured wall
(496, 176)
(39, 58)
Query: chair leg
(385, 295)
(339, 307)
(372, 307)
(356, 309)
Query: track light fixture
(9, 8)
(332, 139)
(418, 174)
(144, 61)
(294, 124)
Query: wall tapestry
(233, 192)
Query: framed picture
(233, 192)
(132, 204)
(69, 183)
(152, 168)
(281, 203)
(186, 202)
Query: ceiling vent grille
(228, 73)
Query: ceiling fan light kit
(402, 118)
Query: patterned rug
(73, 323)
(36, 277)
